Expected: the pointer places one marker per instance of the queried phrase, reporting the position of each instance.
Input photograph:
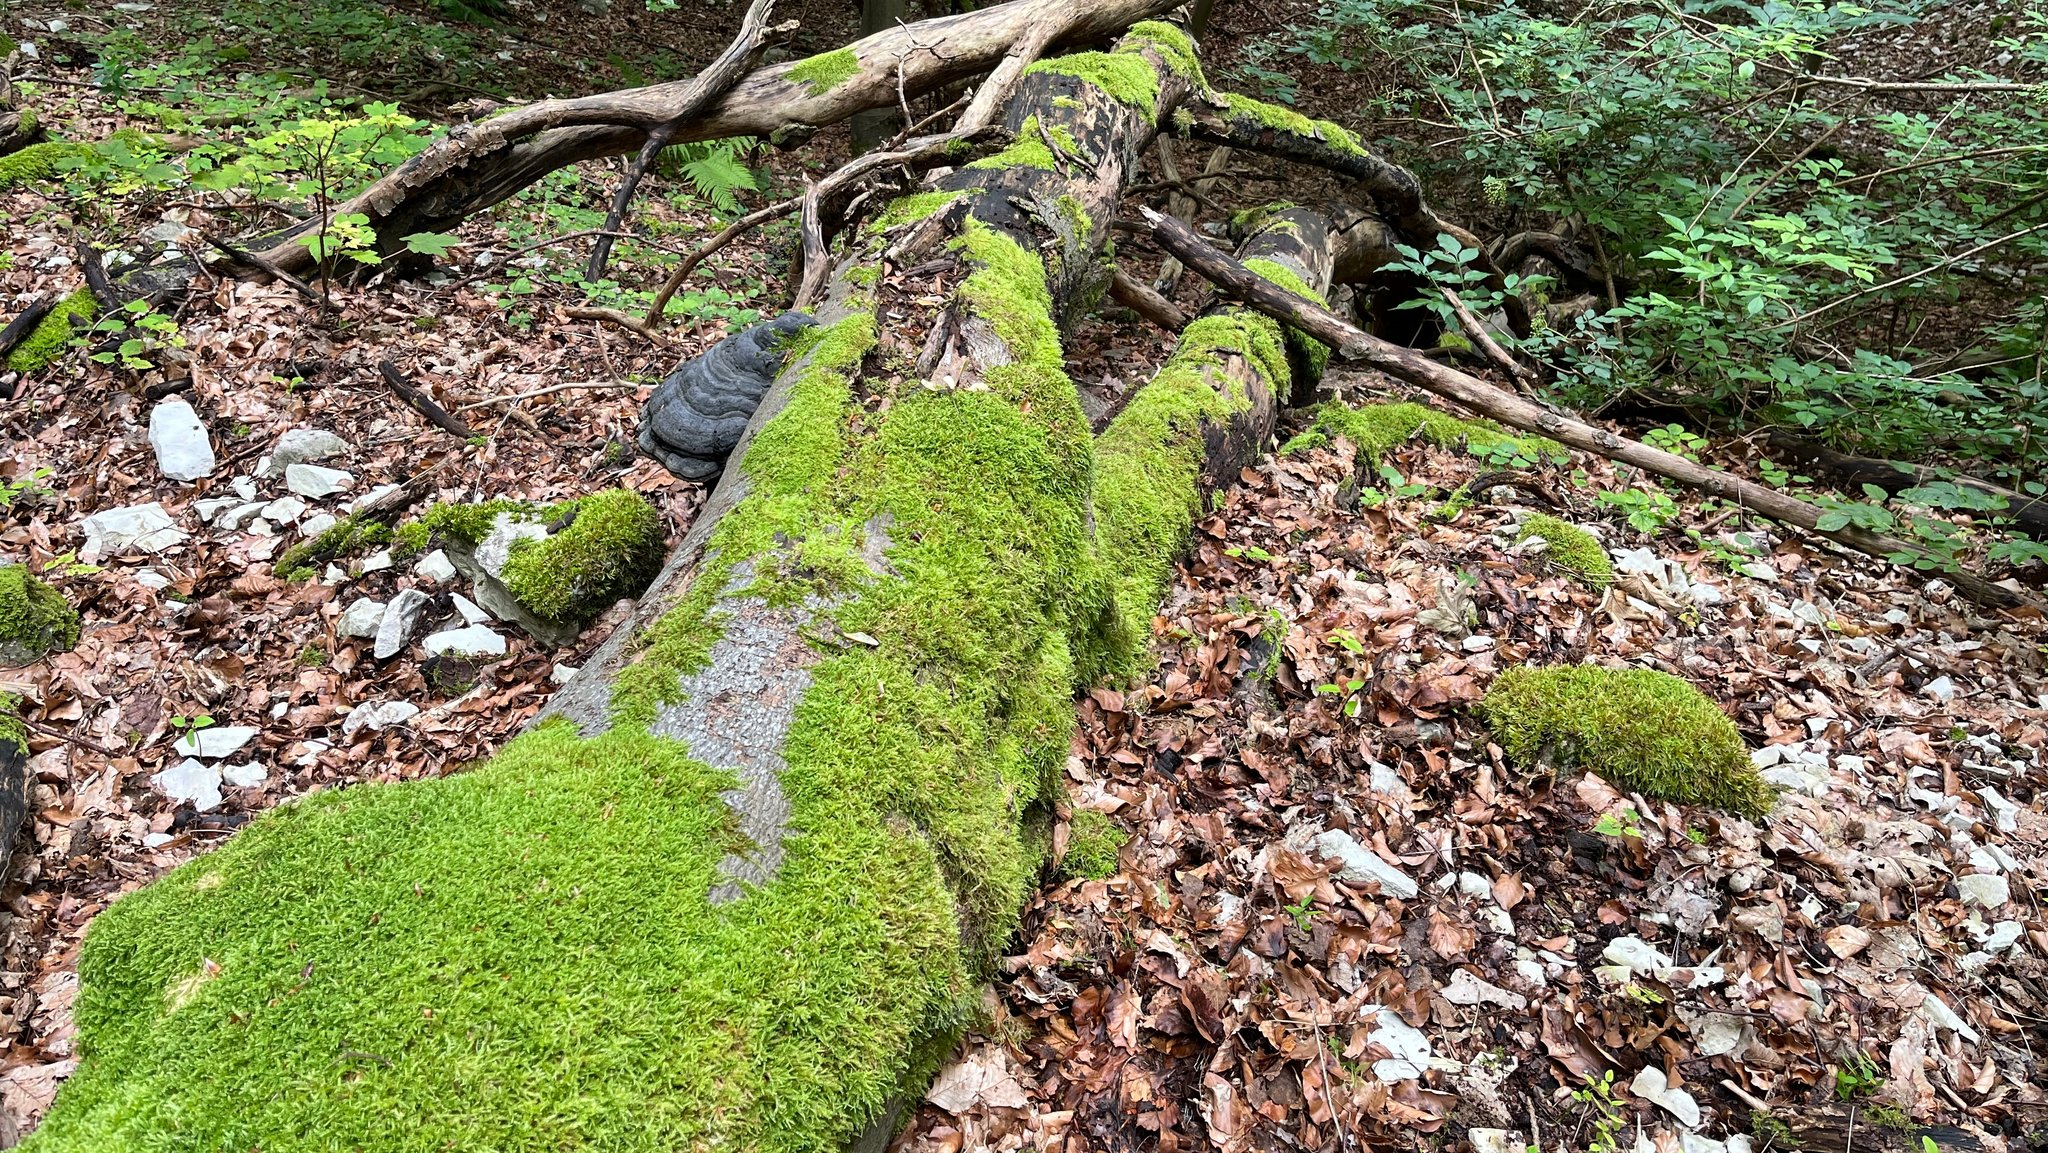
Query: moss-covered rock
(1569, 547)
(37, 162)
(35, 619)
(611, 547)
(1092, 844)
(350, 535)
(53, 333)
(1641, 729)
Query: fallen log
(1498, 404)
(739, 886)
(2028, 514)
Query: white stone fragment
(378, 716)
(1941, 1016)
(360, 619)
(472, 613)
(241, 516)
(436, 567)
(316, 524)
(151, 579)
(156, 840)
(1360, 864)
(376, 562)
(1940, 688)
(377, 493)
(1636, 954)
(284, 510)
(2004, 935)
(1409, 1047)
(244, 487)
(314, 482)
(400, 617)
(1651, 1086)
(143, 526)
(1465, 989)
(183, 451)
(298, 446)
(333, 574)
(468, 641)
(1984, 890)
(214, 741)
(210, 507)
(244, 776)
(506, 531)
(2005, 816)
(1493, 1141)
(190, 781)
(560, 674)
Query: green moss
(1092, 844)
(1453, 341)
(1571, 548)
(1124, 76)
(826, 71)
(25, 120)
(53, 333)
(913, 208)
(1030, 149)
(1641, 729)
(35, 619)
(1280, 119)
(1377, 429)
(348, 536)
(410, 540)
(12, 730)
(38, 162)
(611, 548)
(1172, 45)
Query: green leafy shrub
(1571, 548)
(1641, 729)
(35, 619)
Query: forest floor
(1585, 968)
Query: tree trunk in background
(872, 127)
(740, 886)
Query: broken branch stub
(1488, 400)
(739, 886)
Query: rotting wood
(1498, 404)
(24, 322)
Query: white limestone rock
(360, 619)
(183, 451)
(400, 618)
(1360, 864)
(469, 641)
(314, 482)
(298, 446)
(190, 782)
(214, 741)
(146, 527)
(436, 567)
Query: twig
(1931, 269)
(1484, 342)
(69, 738)
(96, 277)
(422, 403)
(625, 320)
(264, 264)
(698, 255)
(519, 396)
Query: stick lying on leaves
(1352, 344)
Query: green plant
(1093, 841)
(1625, 823)
(191, 723)
(1304, 913)
(1674, 438)
(1857, 1076)
(1603, 1113)
(1646, 510)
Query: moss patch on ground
(35, 619)
(1377, 429)
(612, 548)
(53, 333)
(351, 534)
(38, 162)
(1641, 729)
(1092, 843)
(1571, 548)
(826, 71)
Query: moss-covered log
(739, 887)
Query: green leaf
(431, 243)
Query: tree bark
(1515, 412)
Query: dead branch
(705, 87)
(625, 320)
(1478, 396)
(263, 264)
(2029, 514)
(1475, 331)
(479, 164)
(1141, 299)
(703, 251)
(422, 403)
(17, 330)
